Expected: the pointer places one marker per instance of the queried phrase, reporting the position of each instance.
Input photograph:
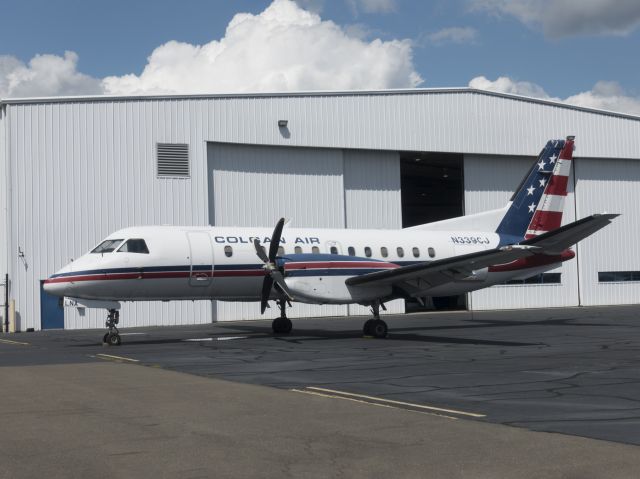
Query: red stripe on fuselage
(339, 265)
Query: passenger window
(384, 251)
(367, 252)
(400, 252)
(334, 250)
(280, 250)
(228, 251)
(315, 250)
(432, 252)
(134, 246)
(351, 250)
(416, 252)
(297, 250)
(107, 246)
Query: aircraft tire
(105, 338)
(379, 329)
(114, 339)
(281, 326)
(367, 328)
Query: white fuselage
(221, 263)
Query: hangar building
(73, 170)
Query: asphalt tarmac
(435, 399)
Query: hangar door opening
(432, 186)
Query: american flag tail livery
(536, 206)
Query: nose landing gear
(112, 338)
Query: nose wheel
(112, 337)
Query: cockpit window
(107, 246)
(134, 246)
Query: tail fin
(536, 206)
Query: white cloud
(605, 95)
(45, 75)
(453, 35)
(283, 48)
(560, 18)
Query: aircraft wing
(554, 242)
(443, 271)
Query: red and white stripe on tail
(548, 214)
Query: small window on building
(280, 250)
(334, 250)
(173, 160)
(315, 250)
(618, 276)
(228, 251)
(416, 252)
(367, 252)
(400, 252)
(134, 246)
(107, 246)
(351, 250)
(384, 251)
(297, 250)
(432, 252)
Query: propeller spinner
(272, 272)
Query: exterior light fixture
(283, 123)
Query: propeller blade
(280, 282)
(275, 240)
(260, 251)
(267, 284)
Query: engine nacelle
(320, 278)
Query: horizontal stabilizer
(556, 241)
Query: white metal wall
(612, 186)
(325, 188)
(489, 183)
(4, 198)
(372, 199)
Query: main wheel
(281, 326)
(366, 329)
(113, 339)
(379, 329)
(105, 338)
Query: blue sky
(558, 49)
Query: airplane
(335, 266)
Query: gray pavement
(571, 371)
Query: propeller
(272, 272)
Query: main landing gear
(112, 338)
(282, 325)
(375, 326)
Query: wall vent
(173, 160)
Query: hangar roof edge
(318, 93)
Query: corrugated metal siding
(4, 199)
(372, 199)
(612, 186)
(255, 186)
(81, 169)
(489, 183)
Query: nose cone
(58, 284)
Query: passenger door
(201, 254)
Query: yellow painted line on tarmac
(9, 341)
(370, 403)
(398, 403)
(111, 357)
